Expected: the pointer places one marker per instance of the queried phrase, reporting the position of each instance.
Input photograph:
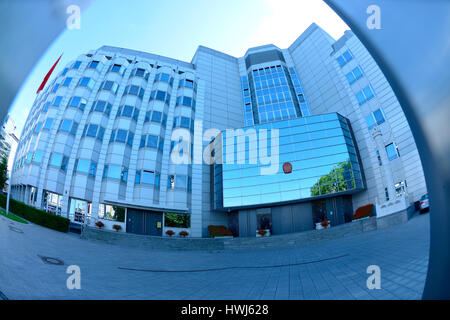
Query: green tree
(339, 179)
(3, 172)
(119, 213)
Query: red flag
(48, 76)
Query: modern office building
(277, 139)
(8, 141)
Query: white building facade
(100, 136)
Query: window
(56, 159)
(121, 135)
(392, 152)
(37, 158)
(46, 106)
(57, 101)
(116, 68)
(64, 162)
(180, 182)
(92, 130)
(344, 58)
(86, 82)
(124, 175)
(171, 182)
(185, 122)
(83, 166)
(65, 125)
(379, 158)
(160, 95)
(76, 65)
(101, 133)
(370, 121)
(92, 168)
(78, 102)
(400, 188)
(114, 172)
(379, 116)
(110, 86)
(55, 87)
(48, 124)
(109, 212)
(148, 177)
(130, 138)
(134, 90)
(101, 106)
(365, 95)
(142, 143)
(137, 178)
(66, 82)
(187, 101)
(152, 141)
(175, 220)
(156, 116)
(95, 65)
(127, 111)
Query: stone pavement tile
(401, 252)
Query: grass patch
(11, 216)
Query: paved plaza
(333, 269)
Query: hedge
(218, 231)
(364, 211)
(35, 215)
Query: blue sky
(175, 28)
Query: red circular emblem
(287, 167)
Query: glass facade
(272, 94)
(319, 149)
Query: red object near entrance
(287, 167)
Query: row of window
(164, 77)
(186, 83)
(160, 96)
(152, 141)
(115, 172)
(123, 136)
(134, 90)
(186, 101)
(156, 116)
(183, 122)
(109, 85)
(94, 131)
(85, 166)
(101, 106)
(179, 182)
(128, 112)
(68, 126)
(147, 177)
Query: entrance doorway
(144, 222)
(337, 210)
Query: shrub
(170, 233)
(117, 227)
(218, 231)
(324, 223)
(364, 211)
(99, 224)
(262, 232)
(37, 216)
(183, 233)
